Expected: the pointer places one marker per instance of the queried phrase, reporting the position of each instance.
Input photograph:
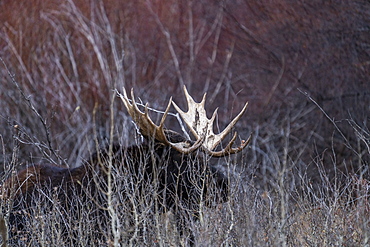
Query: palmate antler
(149, 129)
(197, 121)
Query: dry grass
(303, 181)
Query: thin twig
(31, 106)
(347, 143)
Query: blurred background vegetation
(303, 66)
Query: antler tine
(229, 149)
(202, 127)
(149, 129)
(229, 127)
(195, 117)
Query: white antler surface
(202, 127)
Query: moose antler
(149, 129)
(202, 127)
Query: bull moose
(175, 169)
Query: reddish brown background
(265, 52)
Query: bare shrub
(304, 179)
